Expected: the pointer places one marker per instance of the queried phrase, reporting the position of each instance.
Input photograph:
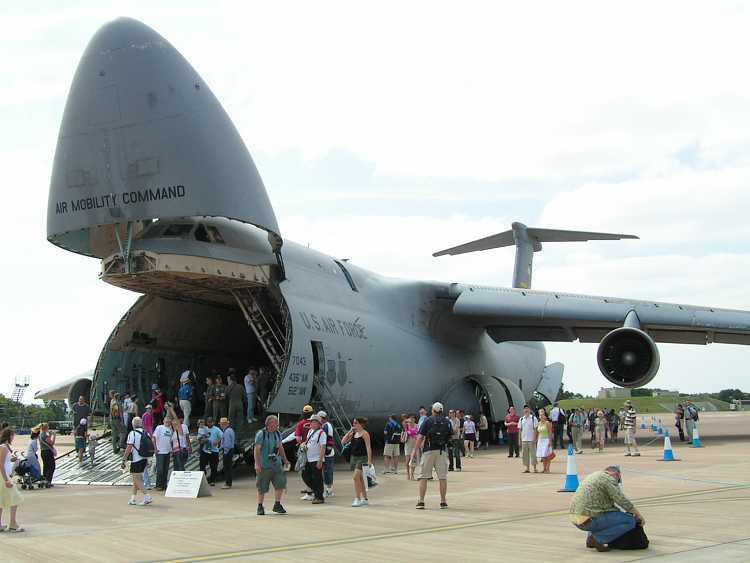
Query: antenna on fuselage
(527, 240)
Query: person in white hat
(315, 445)
(434, 438)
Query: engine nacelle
(628, 357)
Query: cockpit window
(347, 275)
(215, 235)
(177, 230)
(201, 234)
(208, 233)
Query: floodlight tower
(22, 383)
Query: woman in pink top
(409, 438)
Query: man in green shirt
(270, 460)
(600, 508)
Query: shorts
(138, 466)
(80, 443)
(409, 448)
(470, 437)
(434, 459)
(357, 461)
(277, 476)
(393, 450)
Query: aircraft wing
(529, 315)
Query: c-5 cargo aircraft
(151, 177)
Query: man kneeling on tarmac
(594, 509)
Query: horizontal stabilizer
(508, 238)
(527, 241)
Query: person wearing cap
(630, 426)
(228, 443)
(434, 440)
(81, 434)
(329, 463)
(600, 508)
(185, 396)
(315, 445)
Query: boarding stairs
(107, 471)
(337, 415)
(272, 337)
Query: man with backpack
(433, 439)
(139, 448)
(691, 418)
(391, 451)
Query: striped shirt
(629, 418)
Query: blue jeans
(250, 406)
(328, 467)
(610, 526)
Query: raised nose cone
(142, 137)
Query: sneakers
(637, 454)
(261, 511)
(629, 454)
(356, 503)
(420, 505)
(318, 501)
(132, 502)
(327, 493)
(307, 497)
(443, 505)
(364, 502)
(146, 501)
(278, 509)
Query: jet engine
(628, 357)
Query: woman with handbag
(544, 449)
(361, 456)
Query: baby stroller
(29, 476)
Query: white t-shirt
(134, 439)
(554, 416)
(528, 426)
(163, 439)
(470, 427)
(315, 439)
(184, 436)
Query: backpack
(147, 445)
(439, 433)
(632, 539)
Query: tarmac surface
(696, 509)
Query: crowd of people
(157, 435)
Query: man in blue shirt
(270, 459)
(211, 447)
(185, 395)
(227, 451)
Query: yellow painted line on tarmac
(416, 532)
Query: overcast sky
(387, 132)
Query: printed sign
(188, 484)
